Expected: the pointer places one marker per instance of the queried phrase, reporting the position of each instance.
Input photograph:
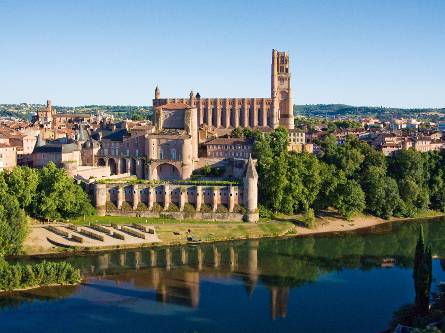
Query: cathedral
(225, 114)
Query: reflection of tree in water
(353, 250)
(44, 294)
(280, 264)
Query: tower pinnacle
(157, 93)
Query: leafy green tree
(382, 193)
(372, 157)
(22, 183)
(422, 274)
(331, 178)
(331, 127)
(279, 141)
(271, 152)
(244, 133)
(346, 157)
(434, 173)
(237, 133)
(345, 124)
(349, 199)
(407, 163)
(304, 180)
(414, 195)
(58, 196)
(278, 182)
(13, 222)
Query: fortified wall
(181, 199)
(209, 202)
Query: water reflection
(15, 299)
(175, 275)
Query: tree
(346, 157)
(407, 163)
(349, 199)
(309, 218)
(58, 196)
(422, 274)
(271, 152)
(22, 183)
(382, 193)
(13, 222)
(434, 174)
(304, 180)
(237, 133)
(278, 181)
(414, 195)
(331, 177)
(279, 141)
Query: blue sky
(360, 52)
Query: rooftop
(229, 141)
(57, 148)
(175, 106)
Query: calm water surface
(339, 283)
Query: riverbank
(173, 232)
(51, 285)
(20, 277)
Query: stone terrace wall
(175, 200)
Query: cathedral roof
(175, 106)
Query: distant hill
(25, 111)
(343, 110)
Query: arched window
(173, 153)
(161, 154)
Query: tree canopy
(48, 193)
(351, 177)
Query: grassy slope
(205, 230)
(172, 231)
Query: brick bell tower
(282, 105)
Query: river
(350, 282)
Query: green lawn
(172, 231)
(148, 220)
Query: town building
(389, 143)
(229, 147)
(25, 145)
(61, 154)
(50, 119)
(8, 156)
(297, 141)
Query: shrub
(206, 208)
(110, 206)
(126, 206)
(264, 212)
(16, 276)
(142, 206)
(188, 207)
(172, 207)
(239, 209)
(222, 209)
(309, 218)
(157, 208)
